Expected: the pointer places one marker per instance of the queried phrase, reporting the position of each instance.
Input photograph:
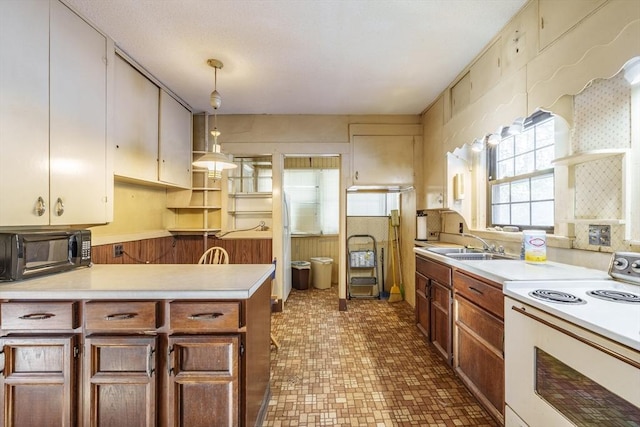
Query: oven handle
(577, 337)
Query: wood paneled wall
(303, 248)
(184, 250)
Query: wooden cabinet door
(557, 17)
(441, 320)
(78, 120)
(135, 124)
(422, 304)
(382, 160)
(203, 384)
(174, 154)
(24, 112)
(38, 381)
(120, 376)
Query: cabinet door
(382, 160)
(203, 385)
(120, 378)
(422, 304)
(78, 120)
(441, 319)
(24, 112)
(38, 381)
(557, 17)
(175, 142)
(135, 124)
(479, 358)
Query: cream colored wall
(548, 77)
(139, 213)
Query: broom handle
(395, 229)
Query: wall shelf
(600, 221)
(588, 156)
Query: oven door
(559, 374)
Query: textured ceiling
(303, 56)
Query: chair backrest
(214, 255)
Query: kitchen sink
(482, 256)
(455, 251)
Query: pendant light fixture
(214, 161)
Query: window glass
(522, 192)
(313, 196)
(372, 204)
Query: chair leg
(275, 342)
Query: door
(78, 120)
(38, 381)
(24, 112)
(203, 385)
(120, 374)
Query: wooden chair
(214, 255)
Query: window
(313, 200)
(372, 204)
(521, 180)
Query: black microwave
(25, 254)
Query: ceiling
(303, 56)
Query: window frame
(536, 119)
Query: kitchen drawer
(434, 270)
(482, 293)
(121, 315)
(480, 324)
(204, 316)
(26, 315)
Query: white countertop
(502, 270)
(144, 281)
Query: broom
(394, 294)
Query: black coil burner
(615, 296)
(556, 296)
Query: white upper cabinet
(557, 17)
(486, 71)
(53, 117)
(382, 160)
(175, 142)
(135, 124)
(153, 131)
(24, 112)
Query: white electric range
(572, 349)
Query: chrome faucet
(485, 246)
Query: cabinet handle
(2, 361)
(474, 290)
(41, 206)
(151, 362)
(170, 361)
(205, 316)
(120, 316)
(356, 175)
(37, 316)
(542, 22)
(59, 207)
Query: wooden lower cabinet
(479, 340)
(203, 387)
(166, 363)
(120, 374)
(38, 381)
(433, 305)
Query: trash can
(300, 274)
(321, 272)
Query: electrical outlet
(460, 228)
(118, 250)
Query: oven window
(579, 398)
(43, 253)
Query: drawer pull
(474, 290)
(120, 316)
(37, 316)
(205, 316)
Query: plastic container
(300, 274)
(321, 272)
(535, 246)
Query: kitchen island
(141, 345)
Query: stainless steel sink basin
(447, 251)
(477, 256)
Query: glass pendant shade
(215, 162)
